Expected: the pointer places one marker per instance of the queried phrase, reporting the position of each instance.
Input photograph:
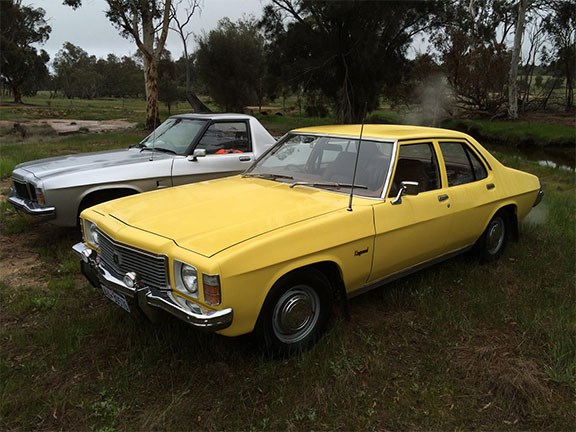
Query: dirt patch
(18, 262)
(69, 126)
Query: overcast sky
(88, 27)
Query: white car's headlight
(187, 278)
(91, 233)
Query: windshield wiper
(268, 176)
(159, 149)
(328, 184)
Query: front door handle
(245, 158)
(443, 197)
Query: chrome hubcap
(495, 237)
(296, 314)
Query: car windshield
(328, 163)
(173, 136)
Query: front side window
(328, 162)
(462, 165)
(416, 163)
(226, 137)
(175, 135)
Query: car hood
(43, 169)
(211, 216)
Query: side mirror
(406, 188)
(197, 153)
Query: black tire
(295, 313)
(493, 241)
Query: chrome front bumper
(30, 207)
(149, 300)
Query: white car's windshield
(327, 162)
(173, 136)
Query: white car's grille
(24, 190)
(120, 259)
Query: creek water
(564, 159)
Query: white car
(184, 149)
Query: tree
(120, 77)
(230, 62)
(560, 24)
(472, 49)
(168, 91)
(76, 74)
(513, 77)
(147, 23)
(21, 66)
(348, 50)
(180, 28)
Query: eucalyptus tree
(523, 5)
(560, 24)
(146, 22)
(472, 47)
(22, 67)
(347, 50)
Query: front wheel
(295, 313)
(493, 241)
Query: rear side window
(462, 164)
(226, 137)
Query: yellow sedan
(326, 214)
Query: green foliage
(22, 68)
(230, 63)
(346, 50)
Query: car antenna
(153, 139)
(357, 157)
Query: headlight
(91, 233)
(189, 278)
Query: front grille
(23, 190)
(120, 259)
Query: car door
(412, 231)
(471, 189)
(228, 151)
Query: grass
(526, 133)
(458, 346)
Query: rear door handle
(443, 197)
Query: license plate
(118, 298)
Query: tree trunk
(151, 83)
(196, 103)
(513, 76)
(17, 95)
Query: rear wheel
(494, 239)
(295, 313)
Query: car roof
(382, 131)
(213, 116)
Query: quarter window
(462, 164)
